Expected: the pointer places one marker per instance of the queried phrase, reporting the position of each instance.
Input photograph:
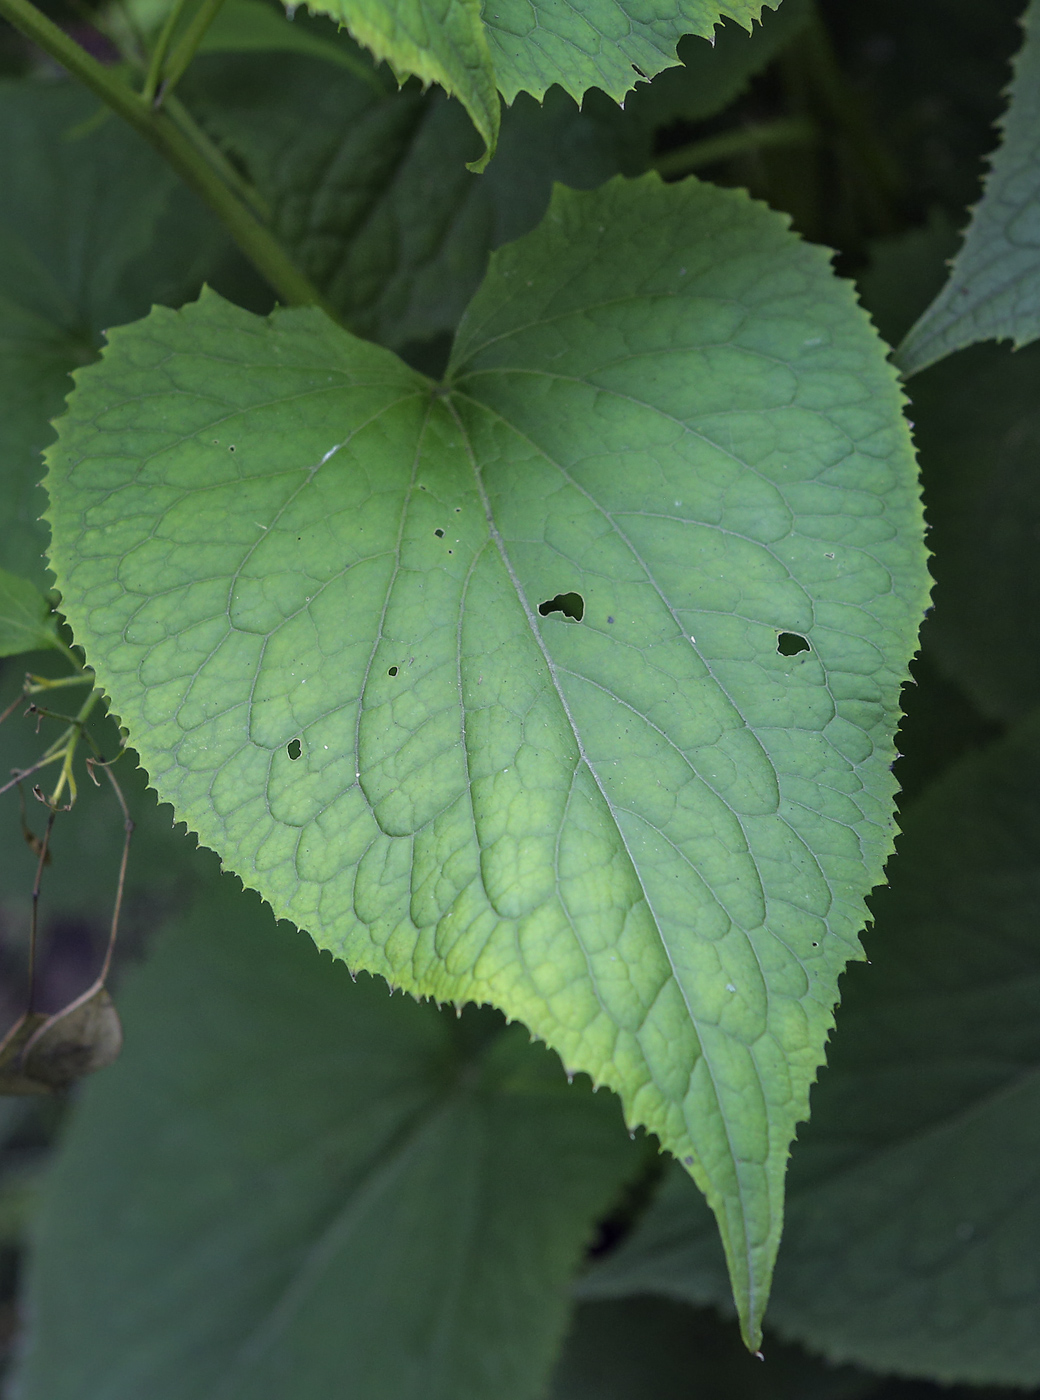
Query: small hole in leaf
(392, 671)
(295, 749)
(572, 605)
(231, 448)
(790, 644)
(439, 534)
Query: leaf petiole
(157, 58)
(185, 50)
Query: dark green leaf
(372, 192)
(978, 431)
(80, 250)
(713, 73)
(26, 620)
(295, 1186)
(651, 1349)
(993, 291)
(253, 26)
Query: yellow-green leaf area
(337, 607)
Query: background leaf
(293, 1184)
(993, 291)
(713, 72)
(372, 193)
(26, 621)
(252, 26)
(93, 230)
(978, 431)
(630, 834)
(436, 41)
(653, 1349)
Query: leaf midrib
(551, 668)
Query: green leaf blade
(993, 291)
(317, 596)
(289, 1180)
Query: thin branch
(157, 58)
(128, 827)
(185, 50)
(34, 915)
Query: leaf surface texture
(912, 1219)
(324, 595)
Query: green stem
(201, 175)
(186, 123)
(786, 131)
(185, 50)
(162, 48)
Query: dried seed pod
(12, 1078)
(84, 1036)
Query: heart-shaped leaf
(325, 596)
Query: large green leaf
(515, 46)
(292, 1186)
(913, 1227)
(993, 291)
(335, 604)
(93, 230)
(371, 193)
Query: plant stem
(162, 48)
(786, 131)
(198, 172)
(189, 128)
(185, 50)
